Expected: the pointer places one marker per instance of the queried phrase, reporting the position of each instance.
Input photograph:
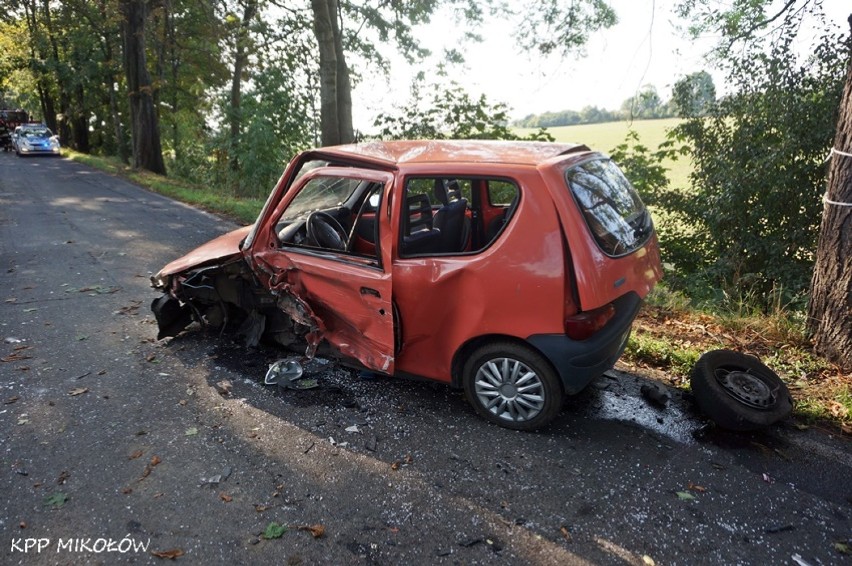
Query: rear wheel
(513, 386)
(738, 392)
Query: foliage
(755, 202)
(449, 113)
(550, 26)
(694, 95)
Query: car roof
(394, 153)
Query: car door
(343, 296)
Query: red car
(511, 269)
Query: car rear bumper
(580, 362)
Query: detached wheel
(512, 386)
(738, 392)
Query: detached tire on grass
(738, 392)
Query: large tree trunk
(240, 60)
(144, 127)
(335, 86)
(830, 308)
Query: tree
(335, 82)
(450, 113)
(144, 126)
(694, 94)
(830, 308)
(830, 304)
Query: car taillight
(582, 325)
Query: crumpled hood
(224, 246)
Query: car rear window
(612, 208)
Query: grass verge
(669, 337)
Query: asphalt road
(116, 447)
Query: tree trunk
(344, 84)
(145, 131)
(324, 33)
(240, 60)
(830, 308)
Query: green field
(606, 136)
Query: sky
(645, 47)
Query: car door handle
(370, 291)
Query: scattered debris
(15, 357)
(656, 394)
(78, 391)
(225, 497)
(12, 340)
(685, 496)
(779, 529)
(11, 400)
(214, 481)
(289, 374)
(63, 477)
(353, 429)
(224, 387)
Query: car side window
(453, 215)
(333, 214)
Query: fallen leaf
(837, 409)
(274, 530)
(33, 309)
(23, 421)
(63, 477)
(846, 428)
(317, 531)
(225, 497)
(191, 431)
(648, 560)
(82, 337)
(55, 500)
(155, 460)
(11, 400)
(768, 479)
(565, 533)
(78, 391)
(15, 357)
(395, 466)
(170, 554)
(261, 508)
(842, 548)
(698, 488)
(136, 454)
(182, 402)
(151, 357)
(408, 459)
(685, 496)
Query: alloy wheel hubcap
(509, 389)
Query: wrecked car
(513, 270)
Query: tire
(491, 376)
(738, 392)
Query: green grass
(607, 135)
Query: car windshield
(612, 208)
(320, 193)
(36, 133)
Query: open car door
(306, 255)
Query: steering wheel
(324, 231)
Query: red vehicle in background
(9, 120)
